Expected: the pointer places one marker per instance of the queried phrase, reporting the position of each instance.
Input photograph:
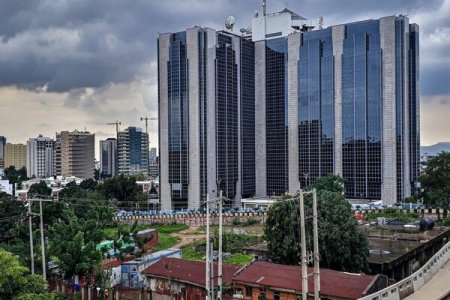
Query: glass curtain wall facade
(247, 95)
(315, 106)
(276, 117)
(178, 115)
(362, 111)
(414, 106)
(227, 160)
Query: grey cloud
(107, 42)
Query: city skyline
(112, 60)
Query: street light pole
(316, 248)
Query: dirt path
(186, 237)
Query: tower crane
(146, 119)
(116, 123)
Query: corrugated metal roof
(192, 272)
(332, 283)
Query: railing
(414, 282)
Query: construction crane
(146, 121)
(116, 123)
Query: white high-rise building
(41, 161)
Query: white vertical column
(293, 58)
(163, 122)
(211, 111)
(237, 48)
(338, 33)
(192, 53)
(260, 118)
(406, 118)
(389, 147)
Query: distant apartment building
(153, 164)
(2, 151)
(41, 162)
(108, 157)
(58, 154)
(77, 153)
(132, 149)
(15, 155)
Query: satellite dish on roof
(229, 23)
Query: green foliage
(331, 183)
(393, 214)
(9, 207)
(342, 245)
(16, 282)
(88, 184)
(189, 253)
(251, 221)
(39, 189)
(446, 222)
(410, 200)
(435, 181)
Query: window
(276, 296)
(248, 291)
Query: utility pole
(316, 248)
(44, 265)
(207, 258)
(146, 119)
(304, 262)
(116, 123)
(30, 220)
(219, 278)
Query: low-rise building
(264, 280)
(183, 279)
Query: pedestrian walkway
(436, 288)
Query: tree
(15, 176)
(435, 181)
(122, 188)
(16, 283)
(40, 189)
(88, 184)
(342, 245)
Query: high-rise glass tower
(270, 110)
(132, 151)
(108, 157)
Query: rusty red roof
(192, 272)
(332, 283)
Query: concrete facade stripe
(407, 133)
(211, 110)
(389, 148)
(237, 48)
(338, 34)
(260, 118)
(293, 57)
(163, 121)
(192, 53)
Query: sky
(80, 64)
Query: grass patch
(189, 253)
(238, 259)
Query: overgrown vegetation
(393, 214)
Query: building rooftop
(192, 272)
(334, 284)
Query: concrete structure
(41, 161)
(2, 151)
(15, 155)
(271, 110)
(109, 163)
(153, 163)
(132, 149)
(5, 187)
(77, 154)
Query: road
(436, 288)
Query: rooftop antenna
(264, 5)
(320, 22)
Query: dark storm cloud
(67, 45)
